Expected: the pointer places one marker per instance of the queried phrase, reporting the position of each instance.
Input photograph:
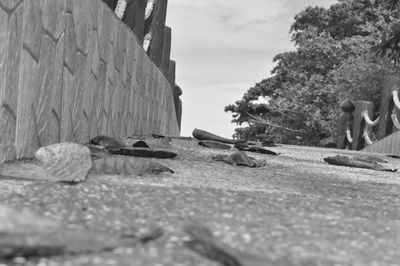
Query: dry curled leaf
(144, 152)
(124, 165)
(204, 243)
(108, 143)
(369, 158)
(204, 135)
(240, 158)
(351, 162)
(214, 144)
(27, 234)
(245, 147)
(66, 161)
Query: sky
(224, 47)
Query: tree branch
(265, 122)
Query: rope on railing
(120, 8)
(149, 9)
(370, 123)
(396, 123)
(368, 141)
(147, 13)
(396, 99)
(397, 104)
(146, 41)
(368, 119)
(348, 135)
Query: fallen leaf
(27, 234)
(24, 170)
(204, 243)
(140, 144)
(66, 161)
(346, 161)
(204, 135)
(369, 159)
(124, 165)
(108, 143)
(214, 144)
(240, 158)
(144, 152)
(245, 147)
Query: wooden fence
(356, 121)
(71, 70)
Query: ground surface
(296, 208)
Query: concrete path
(297, 209)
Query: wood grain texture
(10, 53)
(387, 145)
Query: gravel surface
(297, 208)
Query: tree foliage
(332, 61)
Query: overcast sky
(222, 48)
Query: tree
(331, 62)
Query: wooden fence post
(157, 27)
(179, 115)
(345, 121)
(171, 72)
(359, 123)
(134, 18)
(385, 121)
(166, 53)
(111, 3)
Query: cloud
(251, 23)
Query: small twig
(265, 122)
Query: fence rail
(71, 70)
(146, 18)
(355, 122)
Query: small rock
(67, 162)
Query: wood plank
(56, 106)
(10, 54)
(387, 145)
(157, 27)
(112, 4)
(67, 97)
(171, 72)
(385, 122)
(359, 124)
(166, 53)
(26, 138)
(134, 18)
(100, 103)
